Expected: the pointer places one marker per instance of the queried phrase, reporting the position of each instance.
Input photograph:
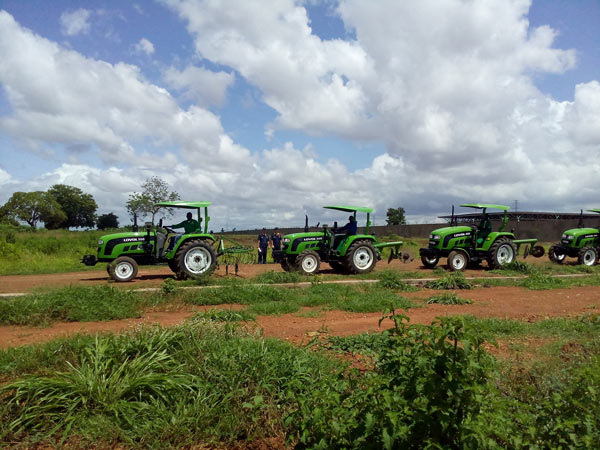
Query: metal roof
(182, 204)
(523, 216)
(351, 208)
(485, 206)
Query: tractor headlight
(286, 240)
(435, 237)
(571, 238)
(100, 242)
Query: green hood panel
(451, 230)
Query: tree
(33, 207)
(395, 216)
(106, 221)
(154, 190)
(79, 208)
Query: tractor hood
(311, 235)
(442, 232)
(578, 232)
(123, 237)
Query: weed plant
(225, 315)
(392, 279)
(451, 280)
(273, 277)
(448, 298)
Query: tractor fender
(348, 241)
(493, 237)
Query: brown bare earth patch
(498, 302)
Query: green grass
(75, 304)
(224, 315)
(448, 298)
(450, 280)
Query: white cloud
(144, 46)
(199, 84)
(75, 22)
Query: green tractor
(345, 253)
(581, 243)
(464, 245)
(191, 255)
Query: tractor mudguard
(491, 238)
(348, 241)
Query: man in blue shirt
(350, 228)
(263, 245)
(276, 245)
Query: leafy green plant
(539, 280)
(448, 298)
(273, 277)
(451, 280)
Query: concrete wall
(543, 230)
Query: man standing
(263, 245)
(276, 244)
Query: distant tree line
(65, 207)
(61, 206)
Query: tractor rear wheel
(308, 262)
(587, 256)
(556, 255)
(502, 252)
(430, 261)
(173, 265)
(338, 267)
(123, 269)
(195, 259)
(361, 257)
(457, 261)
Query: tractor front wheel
(587, 256)
(195, 259)
(556, 255)
(308, 262)
(430, 261)
(361, 257)
(502, 252)
(123, 269)
(457, 261)
(287, 265)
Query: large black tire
(457, 261)
(502, 252)
(123, 269)
(338, 267)
(555, 255)
(195, 259)
(308, 262)
(288, 265)
(173, 265)
(430, 262)
(361, 257)
(587, 256)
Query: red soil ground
(499, 302)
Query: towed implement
(189, 255)
(345, 253)
(471, 245)
(581, 243)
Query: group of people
(274, 241)
(265, 241)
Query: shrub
(451, 280)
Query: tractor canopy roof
(181, 204)
(594, 210)
(350, 208)
(485, 206)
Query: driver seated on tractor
(189, 226)
(350, 228)
(485, 228)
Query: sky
(271, 110)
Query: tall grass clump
(273, 277)
(392, 279)
(450, 280)
(197, 383)
(72, 304)
(539, 280)
(448, 298)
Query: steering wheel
(168, 228)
